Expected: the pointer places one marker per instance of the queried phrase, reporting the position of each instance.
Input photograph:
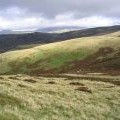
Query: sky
(35, 14)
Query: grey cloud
(51, 8)
(32, 14)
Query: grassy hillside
(12, 41)
(100, 51)
(40, 98)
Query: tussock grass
(60, 101)
(76, 83)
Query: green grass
(22, 100)
(60, 59)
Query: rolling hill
(13, 41)
(92, 54)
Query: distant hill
(2, 32)
(12, 41)
(93, 54)
(59, 29)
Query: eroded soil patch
(84, 89)
(30, 80)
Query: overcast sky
(34, 14)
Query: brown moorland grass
(61, 101)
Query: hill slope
(99, 53)
(9, 42)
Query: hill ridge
(10, 42)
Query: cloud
(51, 8)
(34, 14)
(20, 20)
